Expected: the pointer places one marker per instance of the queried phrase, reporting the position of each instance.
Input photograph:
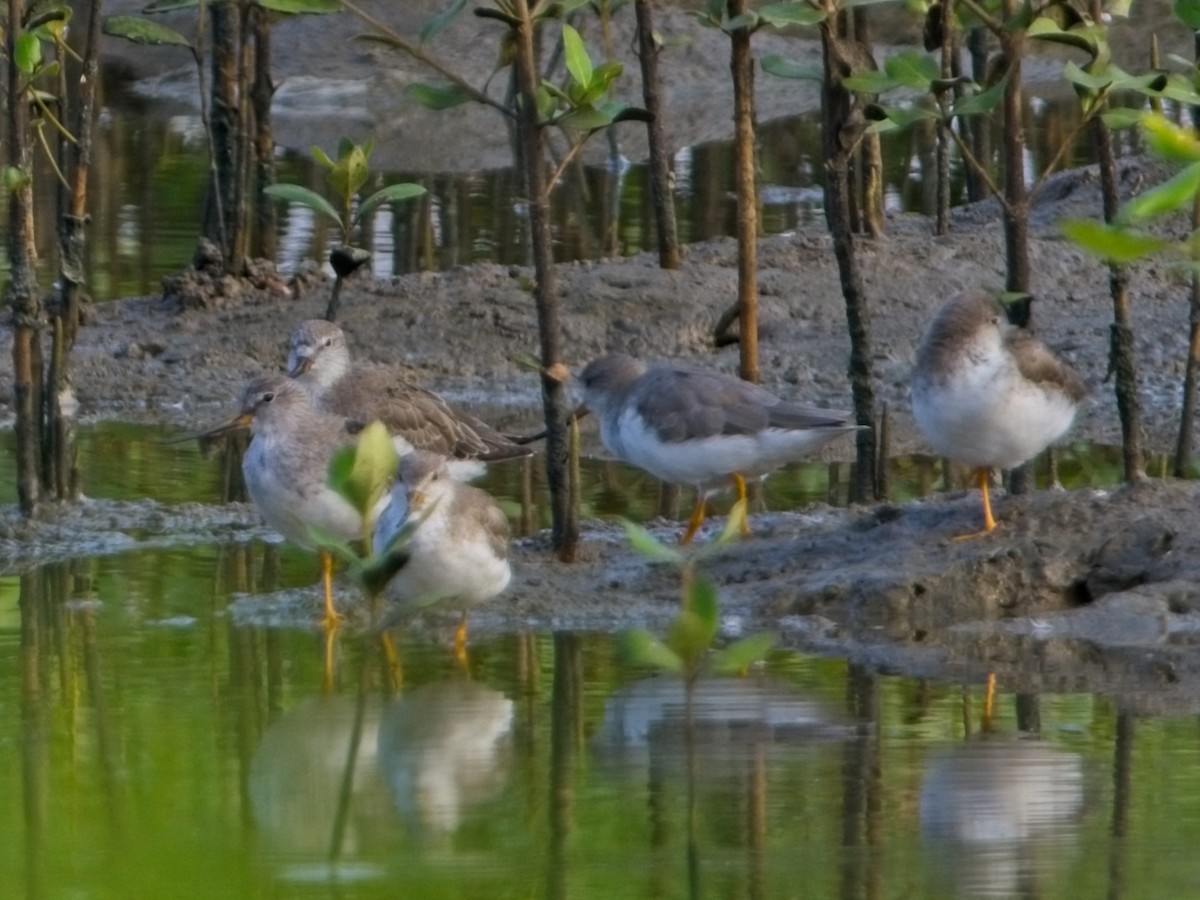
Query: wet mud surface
(1082, 590)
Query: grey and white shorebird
(418, 419)
(988, 393)
(286, 468)
(694, 427)
(457, 549)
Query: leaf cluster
(688, 649)
(363, 474)
(1125, 239)
(778, 15)
(346, 176)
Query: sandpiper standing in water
(694, 427)
(457, 550)
(418, 419)
(286, 468)
(988, 393)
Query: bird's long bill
(236, 423)
(302, 365)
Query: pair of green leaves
(346, 175)
(687, 649)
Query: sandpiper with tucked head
(988, 393)
(418, 419)
(286, 468)
(694, 427)
(457, 551)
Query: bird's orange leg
(460, 641)
(696, 520)
(391, 658)
(332, 618)
(989, 703)
(739, 486)
(989, 522)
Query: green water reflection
(120, 460)
(154, 750)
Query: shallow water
(151, 747)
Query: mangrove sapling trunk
(220, 221)
(1016, 199)
(870, 156)
(837, 138)
(948, 51)
(22, 291)
(742, 66)
(62, 470)
(977, 135)
(262, 90)
(1187, 412)
(557, 412)
(1121, 352)
(660, 157)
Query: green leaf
(162, 6)
(1076, 75)
(745, 20)
(436, 24)
(689, 638)
(776, 65)
(902, 117)
(1121, 117)
(143, 31)
(644, 649)
(1085, 39)
(433, 96)
(782, 14)
(1188, 12)
(579, 64)
(701, 601)
(1111, 243)
(363, 473)
(302, 7)
(647, 545)
(14, 178)
(393, 193)
(1169, 140)
(28, 53)
(586, 120)
(322, 157)
(914, 70)
(295, 193)
(870, 83)
(1175, 192)
(981, 103)
(350, 172)
(739, 656)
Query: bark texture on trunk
(22, 291)
(565, 519)
(742, 66)
(837, 139)
(660, 155)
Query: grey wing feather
(686, 403)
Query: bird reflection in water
(998, 813)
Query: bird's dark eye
(328, 342)
(268, 396)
